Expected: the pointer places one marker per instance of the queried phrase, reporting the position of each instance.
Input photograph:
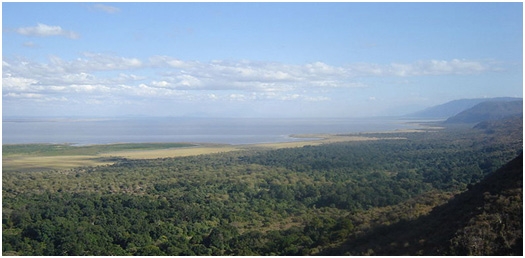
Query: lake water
(196, 130)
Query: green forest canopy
(291, 201)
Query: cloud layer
(95, 76)
(43, 30)
(106, 8)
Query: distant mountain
(453, 108)
(488, 110)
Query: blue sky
(256, 59)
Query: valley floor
(45, 161)
(344, 194)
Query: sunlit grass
(39, 157)
(166, 153)
(41, 163)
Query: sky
(255, 59)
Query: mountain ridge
(488, 110)
(453, 107)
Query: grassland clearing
(38, 157)
(40, 163)
(90, 150)
(172, 152)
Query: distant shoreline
(104, 154)
(419, 126)
(237, 131)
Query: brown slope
(485, 220)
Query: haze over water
(198, 130)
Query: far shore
(20, 162)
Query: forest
(313, 200)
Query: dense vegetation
(296, 201)
(485, 220)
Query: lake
(196, 130)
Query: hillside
(484, 220)
(501, 127)
(454, 107)
(488, 110)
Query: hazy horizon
(255, 59)
(196, 130)
(408, 116)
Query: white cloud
(238, 97)
(37, 97)
(316, 99)
(264, 76)
(96, 75)
(319, 68)
(212, 96)
(147, 91)
(24, 95)
(456, 66)
(437, 67)
(43, 30)
(99, 62)
(17, 83)
(78, 78)
(188, 81)
(170, 62)
(123, 77)
(251, 76)
(87, 88)
(400, 70)
(92, 62)
(160, 84)
(106, 8)
(419, 68)
(30, 44)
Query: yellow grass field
(175, 152)
(39, 163)
(36, 163)
(210, 149)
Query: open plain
(48, 158)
